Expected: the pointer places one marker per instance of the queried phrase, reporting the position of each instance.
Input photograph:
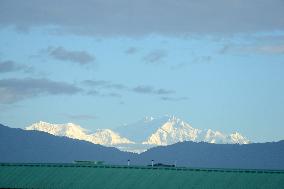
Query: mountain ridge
(30, 146)
(18, 145)
(142, 135)
(101, 136)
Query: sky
(104, 63)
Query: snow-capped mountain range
(143, 134)
(101, 136)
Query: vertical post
(128, 162)
(152, 163)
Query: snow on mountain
(142, 135)
(142, 129)
(211, 136)
(103, 136)
(69, 130)
(175, 130)
(108, 137)
(237, 138)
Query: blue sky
(224, 72)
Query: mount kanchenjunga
(142, 135)
(105, 137)
(176, 130)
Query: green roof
(16, 175)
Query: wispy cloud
(80, 116)
(93, 92)
(151, 90)
(267, 49)
(226, 48)
(99, 88)
(104, 84)
(103, 94)
(178, 66)
(253, 48)
(136, 17)
(155, 56)
(115, 95)
(131, 50)
(174, 99)
(13, 90)
(60, 53)
(202, 59)
(11, 66)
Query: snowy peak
(176, 130)
(104, 137)
(142, 135)
(217, 137)
(142, 129)
(211, 136)
(173, 131)
(69, 130)
(173, 119)
(109, 137)
(238, 138)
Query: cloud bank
(10, 66)
(136, 17)
(60, 53)
(98, 85)
(13, 90)
(155, 56)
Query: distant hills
(17, 145)
(249, 156)
(143, 134)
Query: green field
(133, 177)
